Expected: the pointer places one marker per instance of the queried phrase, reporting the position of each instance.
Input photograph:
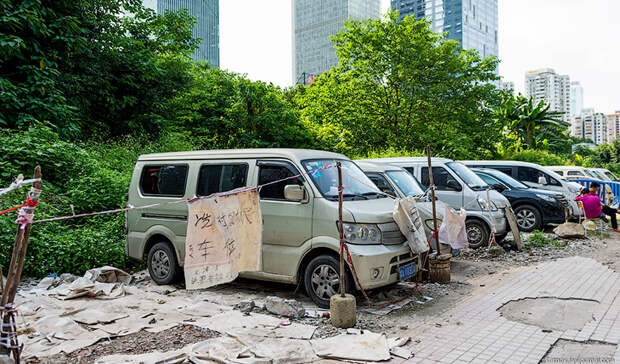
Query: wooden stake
(432, 187)
(17, 258)
(339, 166)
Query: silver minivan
(396, 181)
(459, 187)
(300, 214)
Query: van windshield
(324, 175)
(470, 178)
(406, 183)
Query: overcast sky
(574, 37)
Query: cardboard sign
(224, 237)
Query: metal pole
(339, 166)
(432, 187)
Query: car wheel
(162, 263)
(528, 218)
(322, 280)
(477, 233)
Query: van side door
(449, 189)
(286, 224)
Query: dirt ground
(473, 274)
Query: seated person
(593, 206)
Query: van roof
(295, 154)
(368, 166)
(402, 160)
(564, 168)
(500, 163)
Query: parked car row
(300, 231)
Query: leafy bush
(91, 177)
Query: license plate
(407, 271)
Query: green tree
(226, 110)
(90, 66)
(530, 126)
(399, 84)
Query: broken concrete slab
(283, 307)
(366, 347)
(570, 230)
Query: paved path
(478, 334)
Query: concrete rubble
(570, 230)
(282, 307)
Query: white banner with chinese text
(224, 237)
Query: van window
(164, 180)
(214, 178)
(381, 183)
(507, 170)
(528, 174)
(442, 178)
(574, 173)
(273, 171)
(409, 169)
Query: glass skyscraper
(473, 23)
(207, 27)
(314, 22)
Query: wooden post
(339, 166)
(432, 187)
(18, 256)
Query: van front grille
(391, 234)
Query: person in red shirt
(594, 208)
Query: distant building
(207, 27)
(314, 22)
(544, 84)
(507, 85)
(613, 126)
(590, 125)
(473, 23)
(576, 98)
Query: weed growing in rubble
(539, 239)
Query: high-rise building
(207, 27)
(507, 85)
(314, 22)
(613, 126)
(473, 23)
(545, 84)
(576, 98)
(590, 125)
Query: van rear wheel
(322, 280)
(162, 263)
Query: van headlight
(485, 206)
(361, 233)
(546, 197)
(429, 223)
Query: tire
(162, 263)
(324, 269)
(528, 218)
(477, 233)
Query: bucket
(439, 267)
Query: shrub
(542, 157)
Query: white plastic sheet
(409, 222)
(452, 230)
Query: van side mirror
(294, 192)
(542, 180)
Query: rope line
(187, 200)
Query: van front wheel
(321, 279)
(162, 263)
(477, 233)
